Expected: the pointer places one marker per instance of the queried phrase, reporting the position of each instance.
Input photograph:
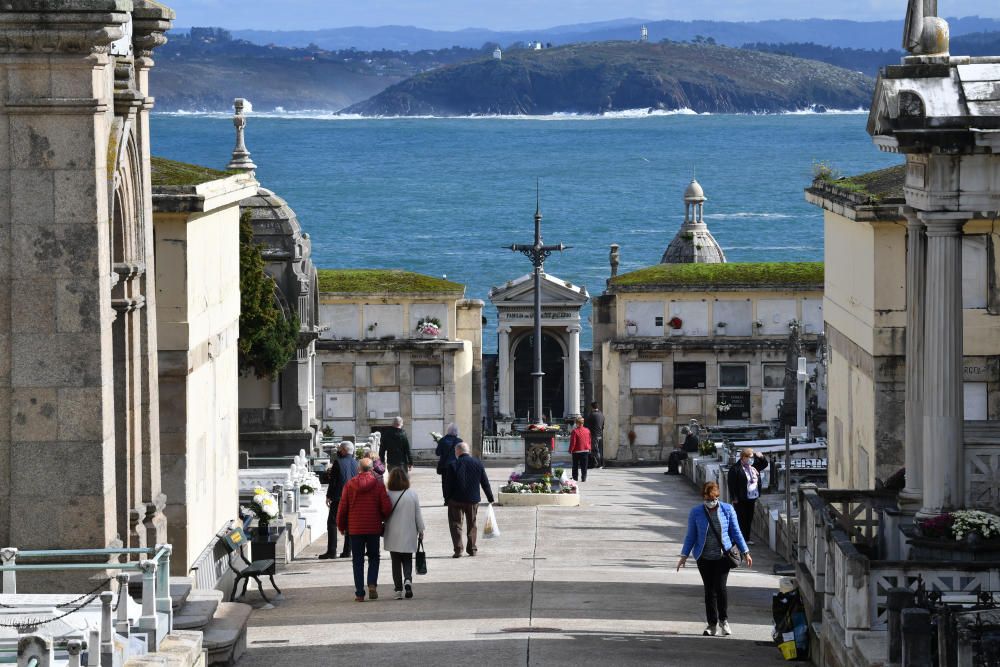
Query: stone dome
(694, 243)
(694, 192)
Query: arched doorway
(553, 402)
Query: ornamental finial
(241, 156)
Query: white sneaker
(399, 595)
(726, 630)
(710, 631)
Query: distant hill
(871, 61)
(846, 34)
(203, 69)
(595, 78)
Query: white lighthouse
(644, 34)
(497, 54)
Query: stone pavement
(561, 586)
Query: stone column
(942, 367)
(503, 372)
(916, 267)
(573, 374)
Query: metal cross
(537, 253)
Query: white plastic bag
(491, 528)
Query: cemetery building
(394, 343)
(866, 228)
(80, 443)
(695, 337)
(278, 416)
(911, 312)
(562, 393)
(196, 215)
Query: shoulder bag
(392, 510)
(421, 557)
(733, 554)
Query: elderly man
(744, 488)
(395, 447)
(343, 468)
(462, 480)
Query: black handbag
(421, 557)
(733, 554)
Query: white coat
(402, 526)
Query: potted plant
(429, 327)
(964, 535)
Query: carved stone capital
(150, 22)
(72, 26)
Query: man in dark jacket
(744, 488)
(595, 424)
(690, 440)
(395, 447)
(343, 469)
(445, 452)
(462, 480)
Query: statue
(613, 257)
(925, 33)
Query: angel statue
(925, 33)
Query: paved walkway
(595, 584)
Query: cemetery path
(595, 584)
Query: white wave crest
(747, 214)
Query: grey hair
(462, 447)
(346, 446)
(397, 422)
(453, 429)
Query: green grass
(378, 281)
(878, 186)
(756, 274)
(172, 173)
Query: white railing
(512, 447)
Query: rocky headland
(611, 76)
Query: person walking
(343, 469)
(462, 481)
(403, 530)
(595, 424)
(446, 452)
(363, 507)
(394, 448)
(579, 449)
(744, 488)
(712, 530)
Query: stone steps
(198, 611)
(180, 588)
(225, 636)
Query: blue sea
(443, 196)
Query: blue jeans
(359, 545)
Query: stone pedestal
(537, 455)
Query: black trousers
(598, 443)
(402, 569)
(580, 460)
(744, 515)
(714, 575)
(674, 460)
(331, 531)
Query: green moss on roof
(880, 186)
(757, 274)
(172, 173)
(377, 281)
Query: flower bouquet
(961, 525)
(263, 507)
(429, 326)
(543, 427)
(307, 488)
(568, 486)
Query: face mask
(712, 504)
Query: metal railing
(154, 564)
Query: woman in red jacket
(363, 506)
(579, 447)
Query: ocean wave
(748, 214)
(625, 114)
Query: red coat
(363, 506)
(579, 440)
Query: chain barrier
(84, 600)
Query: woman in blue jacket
(712, 530)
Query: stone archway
(553, 385)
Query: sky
(530, 14)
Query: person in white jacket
(403, 529)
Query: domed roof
(275, 225)
(694, 192)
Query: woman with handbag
(404, 529)
(714, 535)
